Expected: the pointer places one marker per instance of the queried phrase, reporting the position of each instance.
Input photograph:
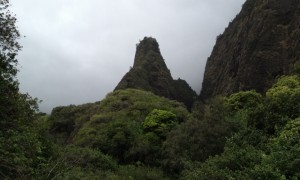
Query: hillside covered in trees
(152, 127)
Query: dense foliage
(133, 124)
(21, 146)
(267, 143)
(242, 136)
(134, 134)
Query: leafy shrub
(197, 139)
(160, 122)
(76, 161)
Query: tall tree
(9, 48)
(19, 145)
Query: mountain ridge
(259, 45)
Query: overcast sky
(77, 51)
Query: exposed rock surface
(259, 45)
(150, 73)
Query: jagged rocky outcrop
(260, 44)
(150, 73)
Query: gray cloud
(77, 51)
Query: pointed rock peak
(147, 50)
(148, 44)
(150, 73)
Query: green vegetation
(66, 120)
(133, 124)
(134, 134)
(118, 138)
(26, 148)
(268, 146)
(21, 146)
(242, 136)
(160, 122)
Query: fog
(77, 51)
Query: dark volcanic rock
(150, 73)
(260, 44)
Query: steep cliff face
(150, 73)
(260, 44)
